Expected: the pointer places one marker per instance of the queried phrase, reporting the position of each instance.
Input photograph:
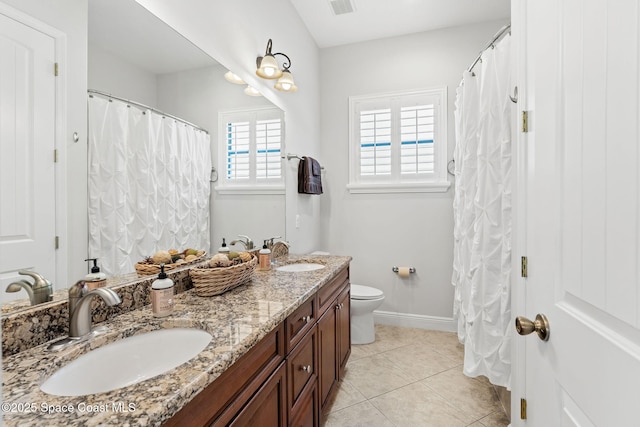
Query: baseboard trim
(408, 320)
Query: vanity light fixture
(251, 91)
(233, 78)
(268, 68)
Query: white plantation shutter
(268, 141)
(252, 147)
(417, 139)
(238, 145)
(375, 142)
(398, 142)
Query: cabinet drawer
(328, 293)
(300, 322)
(302, 366)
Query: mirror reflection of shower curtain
(148, 185)
(482, 216)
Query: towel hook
(451, 167)
(514, 98)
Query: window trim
(227, 187)
(437, 182)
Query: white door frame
(519, 221)
(60, 39)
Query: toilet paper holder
(396, 269)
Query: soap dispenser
(223, 249)
(162, 295)
(264, 258)
(95, 279)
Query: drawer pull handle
(306, 319)
(307, 368)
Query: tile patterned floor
(412, 378)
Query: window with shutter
(251, 149)
(398, 142)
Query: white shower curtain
(148, 185)
(482, 216)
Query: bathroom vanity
(279, 347)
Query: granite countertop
(237, 320)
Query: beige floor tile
(495, 419)
(474, 398)
(414, 377)
(417, 405)
(360, 351)
(374, 375)
(446, 343)
(361, 415)
(347, 395)
(388, 338)
(421, 361)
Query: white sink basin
(300, 266)
(127, 362)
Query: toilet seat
(361, 292)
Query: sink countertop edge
(157, 399)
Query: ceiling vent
(340, 7)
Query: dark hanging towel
(309, 176)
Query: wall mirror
(134, 55)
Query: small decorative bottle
(264, 258)
(224, 249)
(162, 294)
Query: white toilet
(364, 299)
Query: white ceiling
(376, 19)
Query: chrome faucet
(41, 290)
(270, 241)
(80, 307)
(248, 244)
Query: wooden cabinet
(289, 376)
(223, 399)
(307, 410)
(334, 336)
(343, 329)
(267, 408)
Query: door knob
(540, 326)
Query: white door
(27, 142)
(580, 189)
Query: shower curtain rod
(146, 107)
(504, 30)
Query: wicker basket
(208, 281)
(148, 268)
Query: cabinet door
(327, 354)
(344, 329)
(306, 413)
(268, 407)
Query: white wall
(111, 74)
(234, 33)
(385, 230)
